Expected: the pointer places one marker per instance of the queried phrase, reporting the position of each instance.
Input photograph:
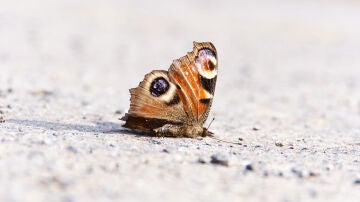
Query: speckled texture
(288, 91)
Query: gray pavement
(288, 91)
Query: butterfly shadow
(104, 127)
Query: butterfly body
(176, 102)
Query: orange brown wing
(154, 103)
(195, 77)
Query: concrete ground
(288, 91)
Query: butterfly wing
(154, 103)
(195, 77)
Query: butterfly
(177, 102)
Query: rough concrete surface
(288, 90)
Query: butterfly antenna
(210, 123)
(221, 140)
(218, 139)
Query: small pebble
(202, 160)
(41, 92)
(357, 182)
(279, 144)
(303, 173)
(329, 167)
(256, 128)
(156, 142)
(2, 120)
(169, 149)
(249, 167)
(303, 149)
(71, 149)
(266, 174)
(297, 172)
(118, 112)
(313, 174)
(220, 159)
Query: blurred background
(99, 44)
(292, 51)
(288, 68)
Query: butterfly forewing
(195, 80)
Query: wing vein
(192, 90)
(197, 88)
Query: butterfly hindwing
(154, 102)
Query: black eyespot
(159, 87)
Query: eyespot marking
(159, 87)
(206, 63)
